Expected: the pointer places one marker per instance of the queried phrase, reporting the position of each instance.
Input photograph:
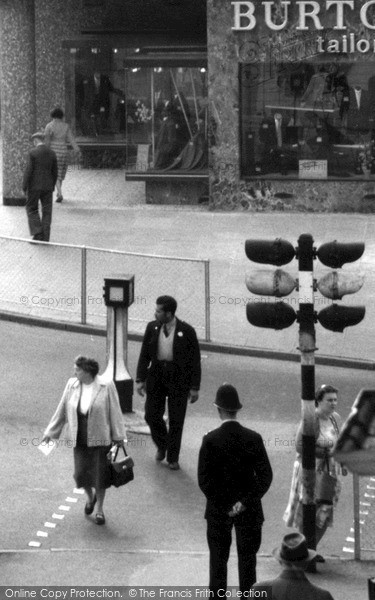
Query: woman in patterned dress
(327, 428)
(58, 136)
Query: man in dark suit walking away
(169, 367)
(39, 180)
(234, 473)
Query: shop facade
(131, 77)
(256, 106)
(292, 93)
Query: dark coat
(41, 170)
(233, 466)
(292, 585)
(186, 356)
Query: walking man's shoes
(160, 455)
(174, 466)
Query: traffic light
(335, 285)
(279, 283)
(270, 283)
(279, 315)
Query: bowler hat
(227, 398)
(38, 134)
(294, 549)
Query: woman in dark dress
(91, 409)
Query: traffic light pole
(279, 315)
(307, 349)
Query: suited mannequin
(95, 93)
(359, 113)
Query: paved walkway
(101, 209)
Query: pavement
(155, 531)
(100, 209)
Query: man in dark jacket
(39, 181)
(234, 473)
(169, 366)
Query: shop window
(312, 119)
(154, 110)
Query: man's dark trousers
(248, 539)
(163, 385)
(40, 228)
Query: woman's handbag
(325, 484)
(121, 470)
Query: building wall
(32, 74)
(32, 59)
(227, 190)
(56, 20)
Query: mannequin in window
(318, 94)
(96, 91)
(359, 117)
(168, 142)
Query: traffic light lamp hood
(335, 254)
(336, 284)
(276, 252)
(336, 317)
(275, 315)
(270, 283)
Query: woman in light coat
(92, 411)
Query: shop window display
(155, 112)
(309, 119)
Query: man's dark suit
(94, 97)
(233, 466)
(292, 585)
(359, 120)
(39, 181)
(173, 380)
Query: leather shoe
(174, 466)
(160, 455)
(320, 559)
(89, 506)
(99, 519)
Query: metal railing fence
(65, 282)
(360, 543)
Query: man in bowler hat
(234, 473)
(292, 584)
(39, 180)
